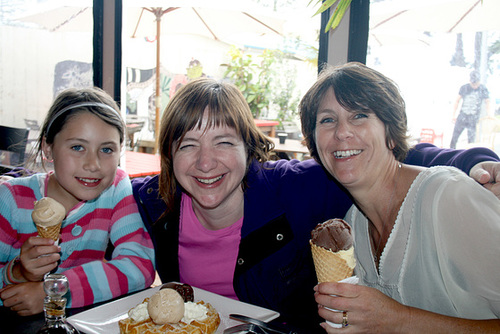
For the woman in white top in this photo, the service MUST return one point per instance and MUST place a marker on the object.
(427, 241)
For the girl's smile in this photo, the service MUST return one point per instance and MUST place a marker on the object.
(86, 154)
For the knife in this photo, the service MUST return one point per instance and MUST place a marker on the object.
(257, 322)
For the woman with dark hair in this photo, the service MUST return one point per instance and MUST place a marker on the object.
(425, 239)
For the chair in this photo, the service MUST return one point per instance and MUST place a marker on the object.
(429, 136)
(13, 143)
(32, 124)
(292, 130)
(487, 129)
(34, 127)
(134, 125)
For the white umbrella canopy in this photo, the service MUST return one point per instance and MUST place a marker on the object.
(62, 19)
(218, 24)
(177, 17)
(220, 20)
(450, 16)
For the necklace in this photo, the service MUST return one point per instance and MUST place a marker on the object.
(375, 255)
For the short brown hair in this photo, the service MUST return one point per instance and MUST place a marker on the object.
(358, 87)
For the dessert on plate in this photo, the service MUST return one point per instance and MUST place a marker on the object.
(171, 310)
(333, 250)
(48, 215)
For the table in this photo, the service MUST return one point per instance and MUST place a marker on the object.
(291, 146)
(13, 323)
(139, 164)
(268, 127)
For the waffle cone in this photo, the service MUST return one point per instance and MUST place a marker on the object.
(206, 326)
(330, 266)
(51, 232)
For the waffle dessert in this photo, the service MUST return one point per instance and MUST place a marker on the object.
(48, 215)
(333, 250)
(161, 313)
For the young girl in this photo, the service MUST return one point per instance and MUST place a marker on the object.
(82, 135)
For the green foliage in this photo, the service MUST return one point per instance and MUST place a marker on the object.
(267, 81)
(285, 94)
(337, 15)
(253, 76)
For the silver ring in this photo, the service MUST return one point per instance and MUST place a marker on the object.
(344, 319)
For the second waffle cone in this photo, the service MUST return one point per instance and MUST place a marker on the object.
(330, 266)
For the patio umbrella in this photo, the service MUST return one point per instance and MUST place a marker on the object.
(450, 16)
(217, 23)
(215, 20)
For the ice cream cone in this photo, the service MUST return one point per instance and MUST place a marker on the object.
(48, 215)
(331, 266)
(51, 232)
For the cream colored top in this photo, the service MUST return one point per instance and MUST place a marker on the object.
(443, 254)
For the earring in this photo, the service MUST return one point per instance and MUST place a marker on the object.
(47, 158)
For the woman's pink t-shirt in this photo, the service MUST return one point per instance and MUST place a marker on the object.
(207, 258)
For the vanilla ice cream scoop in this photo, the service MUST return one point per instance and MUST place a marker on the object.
(166, 306)
(48, 215)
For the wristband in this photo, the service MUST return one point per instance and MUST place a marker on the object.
(8, 272)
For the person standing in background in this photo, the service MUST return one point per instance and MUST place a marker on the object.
(472, 95)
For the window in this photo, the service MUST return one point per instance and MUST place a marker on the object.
(46, 47)
(411, 42)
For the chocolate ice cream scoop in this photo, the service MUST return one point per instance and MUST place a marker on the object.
(185, 290)
(333, 234)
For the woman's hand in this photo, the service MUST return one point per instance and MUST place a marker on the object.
(38, 257)
(24, 298)
(487, 173)
(368, 310)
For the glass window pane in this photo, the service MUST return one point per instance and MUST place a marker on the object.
(197, 41)
(46, 47)
(429, 48)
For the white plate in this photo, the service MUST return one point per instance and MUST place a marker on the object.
(104, 318)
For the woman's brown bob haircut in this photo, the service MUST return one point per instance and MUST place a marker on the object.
(225, 105)
(358, 88)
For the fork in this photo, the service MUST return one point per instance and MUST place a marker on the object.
(245, 328)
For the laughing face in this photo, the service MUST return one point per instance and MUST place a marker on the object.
(210, 164)
(86, 153)
(350, 144)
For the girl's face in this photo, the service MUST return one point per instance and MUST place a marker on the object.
(350, 144)
(86, 153)
(210, 165)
